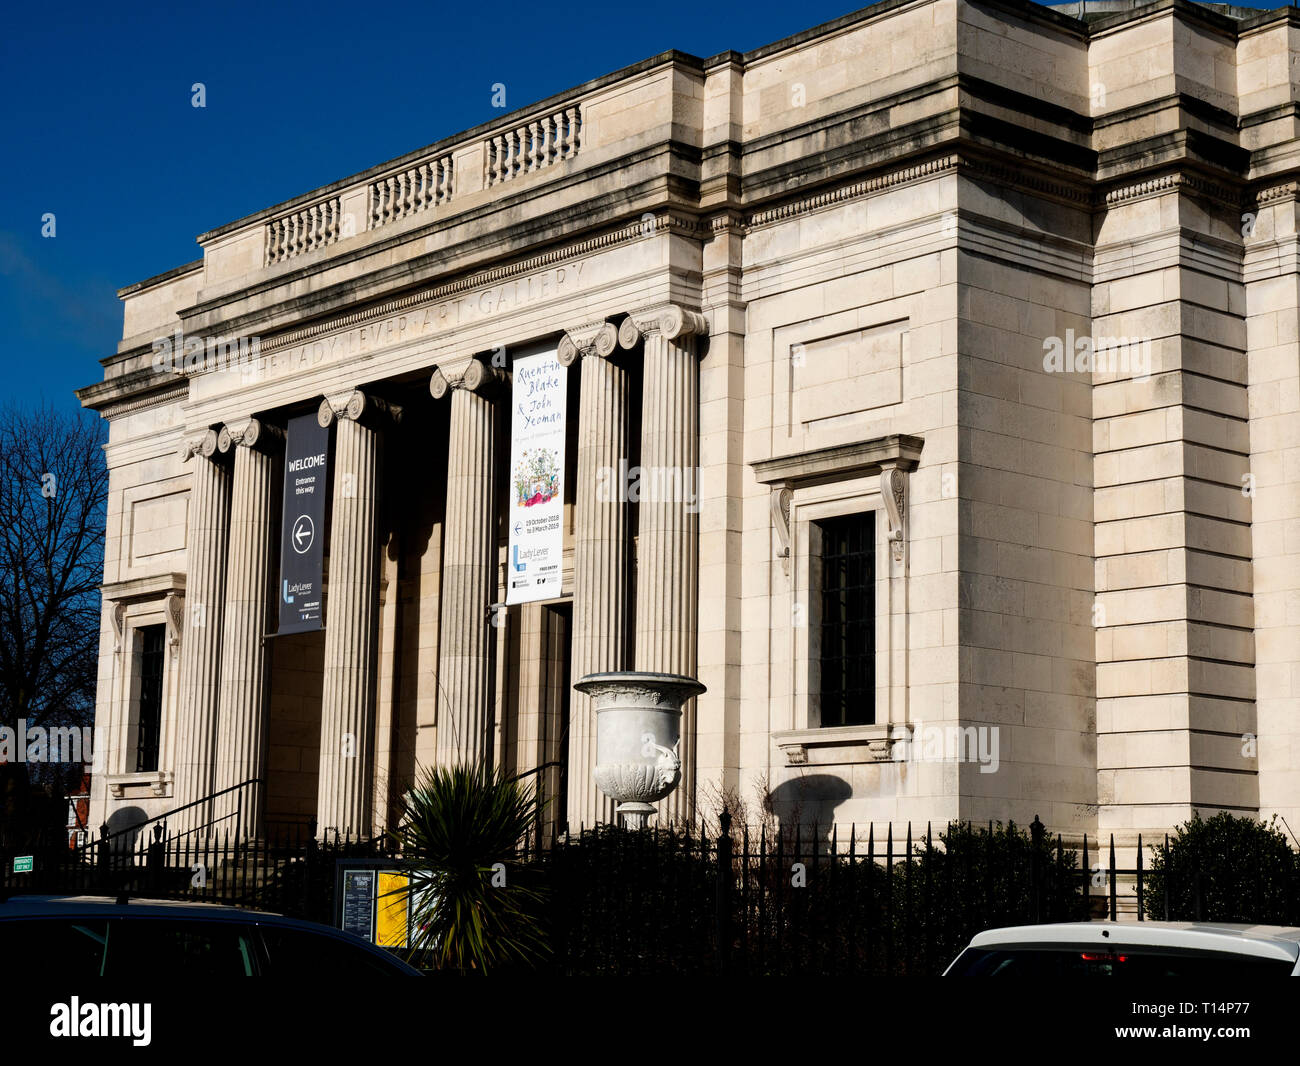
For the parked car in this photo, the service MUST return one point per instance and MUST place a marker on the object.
(87, 936)
(1132, 949)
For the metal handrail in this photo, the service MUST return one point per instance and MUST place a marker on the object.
(106, 836)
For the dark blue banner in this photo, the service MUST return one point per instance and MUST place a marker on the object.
(306, 485)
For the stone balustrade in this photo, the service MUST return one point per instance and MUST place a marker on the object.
(408, 191)
(540, 142)
(304, 230)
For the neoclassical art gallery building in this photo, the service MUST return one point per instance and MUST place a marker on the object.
(926, 385)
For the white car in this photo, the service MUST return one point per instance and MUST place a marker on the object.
(1132, 949)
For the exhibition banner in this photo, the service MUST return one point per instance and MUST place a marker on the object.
(536, 514)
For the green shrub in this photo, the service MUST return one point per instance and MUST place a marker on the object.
(1245, 871)
(474, 906)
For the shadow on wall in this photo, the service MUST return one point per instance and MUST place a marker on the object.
(127, 821)
(809, 802)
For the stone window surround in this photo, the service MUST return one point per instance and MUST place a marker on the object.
(133, 605)
(812, 486)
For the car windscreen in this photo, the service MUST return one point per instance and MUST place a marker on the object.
(1113, 960)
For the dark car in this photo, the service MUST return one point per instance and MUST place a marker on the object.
(94, 936)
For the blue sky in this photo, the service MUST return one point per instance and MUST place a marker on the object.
(97, 126)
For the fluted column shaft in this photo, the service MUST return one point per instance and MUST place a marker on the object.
(200, 658)
(667, 587)
(345, 788)
(600, 595)
(242, 718)
(468, 571)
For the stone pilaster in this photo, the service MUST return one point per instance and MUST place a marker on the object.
(600, 594)
(345, 786)
(469, 566)
(242, 715)
(200, 658)
(667, 587)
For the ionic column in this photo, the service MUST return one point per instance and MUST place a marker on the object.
(200, 662)
(667, 592)
(242, 715)
(344, 793)
(600, 600)
(468, 566)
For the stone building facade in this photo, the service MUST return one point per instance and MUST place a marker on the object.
(963, 340)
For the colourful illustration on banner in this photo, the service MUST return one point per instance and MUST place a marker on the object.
(537, 477)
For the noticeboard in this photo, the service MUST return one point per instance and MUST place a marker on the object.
(373, 902)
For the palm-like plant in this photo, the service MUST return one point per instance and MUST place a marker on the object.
(473, 905)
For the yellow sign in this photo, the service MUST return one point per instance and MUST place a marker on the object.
(390, 929)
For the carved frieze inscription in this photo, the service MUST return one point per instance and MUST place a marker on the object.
(426, 320)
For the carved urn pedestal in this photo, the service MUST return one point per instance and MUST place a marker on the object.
(638, 734)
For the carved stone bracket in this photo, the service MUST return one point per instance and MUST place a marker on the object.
(477, 376)
(118, 618)
(249, 433)
(669, 320)
(356, 406)
(781, 497)
(598, 338)
(893, 490)
(174, 610)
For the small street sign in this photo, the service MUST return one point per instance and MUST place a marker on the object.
(22, 864)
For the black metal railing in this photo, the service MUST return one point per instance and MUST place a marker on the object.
(736, 899)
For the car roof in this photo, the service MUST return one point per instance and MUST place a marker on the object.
(1266, 941)
(54, 906)
(108, 906)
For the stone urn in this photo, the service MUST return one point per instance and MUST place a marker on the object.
(638, 737)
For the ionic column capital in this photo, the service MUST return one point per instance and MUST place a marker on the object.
(598, 338)
(477, 376)
(249, 433)
(670, 321)
(204, 444)
(356, 406)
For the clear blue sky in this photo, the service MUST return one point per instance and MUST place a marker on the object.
(96, 125)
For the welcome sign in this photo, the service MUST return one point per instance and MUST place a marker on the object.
(536, 513)
(302, 534)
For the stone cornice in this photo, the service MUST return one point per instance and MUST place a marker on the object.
(840, 461)
(138, 589)
(1164, 183)
(1285, 190)
(129, 406)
